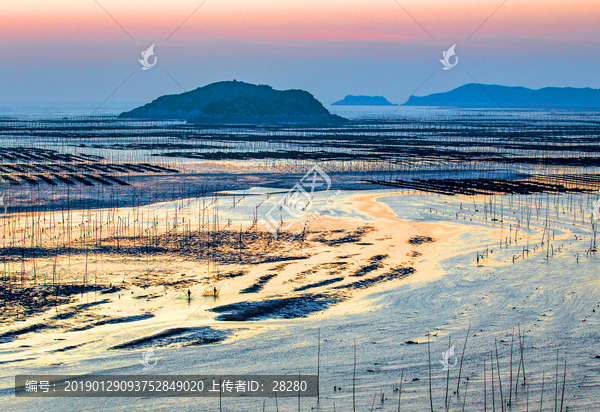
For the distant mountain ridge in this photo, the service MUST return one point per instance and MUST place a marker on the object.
(363, 101)
(237, 102)
(474, 95)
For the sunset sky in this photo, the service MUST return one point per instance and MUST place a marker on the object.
(73, 50)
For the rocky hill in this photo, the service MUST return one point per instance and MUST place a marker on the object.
(364, 101)
(237, 102)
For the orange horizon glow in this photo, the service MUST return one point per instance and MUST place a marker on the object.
(272, 21)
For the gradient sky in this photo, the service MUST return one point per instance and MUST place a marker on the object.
(83, 50)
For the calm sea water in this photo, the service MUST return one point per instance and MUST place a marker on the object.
(44, 110)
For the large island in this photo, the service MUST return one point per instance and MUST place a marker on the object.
(234, 102)
(502, 97)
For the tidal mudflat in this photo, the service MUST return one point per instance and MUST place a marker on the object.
(396, 284)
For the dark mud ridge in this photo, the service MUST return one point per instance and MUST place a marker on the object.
(24, 301)
(259, 285)
(374, 265)
(78, 308)
(16, 360)
(68, 348)
(274, 259)
(319, 284)
(394, 273)
(112, 321)
(353, 237)
(10, 336)
(304, 305)
(235, 274)
(178, 337)
(419, 240)
(286, 308)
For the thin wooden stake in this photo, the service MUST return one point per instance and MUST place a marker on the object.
(499, 377)
(542, 394)
(511, 367)
(484, 387)
(318, 365)
(492, 370)
(430, 391)
(400, 390)
(461, 362)
(562, 398)
(354, 380)
(556, 385)
(447, 377)
(465, 399)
